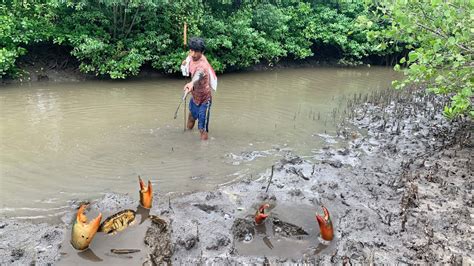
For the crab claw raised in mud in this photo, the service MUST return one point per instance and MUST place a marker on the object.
(260, 215)
(146, 194)
(82, 232)
(325, 225)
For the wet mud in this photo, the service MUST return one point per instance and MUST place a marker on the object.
(397, 180)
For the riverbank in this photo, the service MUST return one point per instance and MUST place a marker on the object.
(66, 69)
(400, 191)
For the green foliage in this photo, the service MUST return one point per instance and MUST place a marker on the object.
(236, 43)
(22, 23)
(338, 27)
(440, 35)
(301, 27)
(115, 38)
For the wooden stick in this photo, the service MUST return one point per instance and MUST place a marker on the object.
(185, 96)
(185, 31)
(124, 250)
(179, 105)
(271, 177)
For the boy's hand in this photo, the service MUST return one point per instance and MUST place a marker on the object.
(188, 87)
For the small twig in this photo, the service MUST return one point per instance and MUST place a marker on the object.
(124, 251)
(333, 256)
(197, 232)
(269, 182)
(298, 173)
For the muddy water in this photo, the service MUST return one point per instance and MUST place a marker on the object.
(268, 242)
(60, 142)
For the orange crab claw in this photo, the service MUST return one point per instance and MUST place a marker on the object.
(260, 215)
(325, 225)
(82, 232)
(146, 194)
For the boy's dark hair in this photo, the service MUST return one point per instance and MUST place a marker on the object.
(196, 44)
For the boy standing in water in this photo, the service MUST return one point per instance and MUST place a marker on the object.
(203, 78)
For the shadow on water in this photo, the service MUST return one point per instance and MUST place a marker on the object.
(89, 255)
(143, 212)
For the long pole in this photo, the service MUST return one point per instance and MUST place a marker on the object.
(185, 31)
(184, 128)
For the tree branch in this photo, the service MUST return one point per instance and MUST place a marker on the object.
(115, 21)
(124, 16)
(436, 32)
(133, 22)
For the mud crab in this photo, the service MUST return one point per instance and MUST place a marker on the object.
(118, 222)
(260, 215)
(146, 194)
(82, 232)
(325, 225)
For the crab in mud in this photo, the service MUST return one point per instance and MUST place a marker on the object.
(325, 225)
(82, 232)
(260, 215)
(146, 194)
(117, 222)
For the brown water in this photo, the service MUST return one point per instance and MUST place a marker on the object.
(60, 142)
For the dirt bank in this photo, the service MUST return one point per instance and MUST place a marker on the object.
(399, 191)
(48, 65)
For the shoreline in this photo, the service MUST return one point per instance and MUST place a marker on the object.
(401, 193)
(40, 72)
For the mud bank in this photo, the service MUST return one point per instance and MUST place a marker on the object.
(399, 191)
(66, 69)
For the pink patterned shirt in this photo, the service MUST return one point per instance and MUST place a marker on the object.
(202, 89)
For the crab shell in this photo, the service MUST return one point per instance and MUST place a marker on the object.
(146, 194)
(260, 215)
(82, 232)
(118, 222)
(325, 225)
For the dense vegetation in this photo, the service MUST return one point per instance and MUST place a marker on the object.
(440, 35)
(116, 38)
